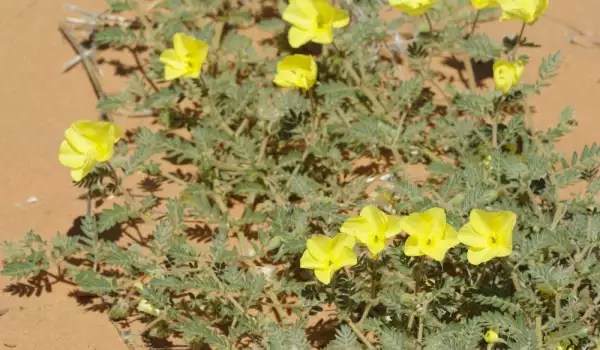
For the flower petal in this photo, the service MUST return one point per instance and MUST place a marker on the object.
(341, 241)
(416, 224)
(77, 174)
(436, 250)
(502, 222)
(170, 58)
(394, 226)
(324, 275)
(340, 18)
(309, 262)
(346, 257)
(375, 245)
(450, 236)
(358, 227)
(376, 218)
(411, 247)
(437, 219)
(301, 14)
(468, 236)
(319, 247)
(298, 37)
(324, 37)
(69, 157)
(478, 256)
(77, 141)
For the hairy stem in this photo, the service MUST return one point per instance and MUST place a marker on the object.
(429, 23)
(359, 334)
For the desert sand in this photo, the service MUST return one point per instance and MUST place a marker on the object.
(39, 101)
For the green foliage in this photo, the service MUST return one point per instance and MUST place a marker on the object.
(260, 169)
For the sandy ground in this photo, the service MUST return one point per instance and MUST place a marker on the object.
(38, 102)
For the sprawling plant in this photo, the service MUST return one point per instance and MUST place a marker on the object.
(312, 132)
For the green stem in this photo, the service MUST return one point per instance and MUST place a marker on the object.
(519, 39)
(421, 326)
(474, 24)
(214, 110)
(359, 334)
(538, 332)
(429, 23)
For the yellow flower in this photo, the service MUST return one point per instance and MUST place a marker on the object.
(507, 74)
(326, 255)
(146, 307)
(186, 57)
(527, 11)
(296, 70)
(491, 336)
(564, 345)
(313, 20)
(429, 234)
(372, 228)
(414, 7)
(86, 144)
(481, 4)
(488, 235)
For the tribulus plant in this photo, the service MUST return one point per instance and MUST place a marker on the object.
(269, 140)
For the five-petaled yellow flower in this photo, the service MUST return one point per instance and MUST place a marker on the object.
(491, 336)
(296, 71)
(482, 4)
(488, 235)
(326, 255)
(429, 234)
(527, 11)
(186, 57)
(507, 74)
(414, 7)
(313, 20)
(372, 228)
(86, 144)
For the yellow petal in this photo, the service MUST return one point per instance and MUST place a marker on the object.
(435, 250)
(285, 78)
(173, 73)
(437, 219)
(319, 247)
(324, 275)
(487, 223)
(185, 45)
(411, 247)
(324, 36)
(78, 142)
(451, 236)
(346, 257)
(102, 135)
(394, 226)
(376, 218)
(309, 262)
(340, 18)
(468, 236)
(375, 245)
(416, 224)
(77, 174)
(298, 37)
(358, 227)
(170, 58)
(301, 14)
(340, 242)
(478, 256)
(69, 157)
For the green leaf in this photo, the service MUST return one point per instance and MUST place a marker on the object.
(91, 282)
(345, 339)
(271, 25)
